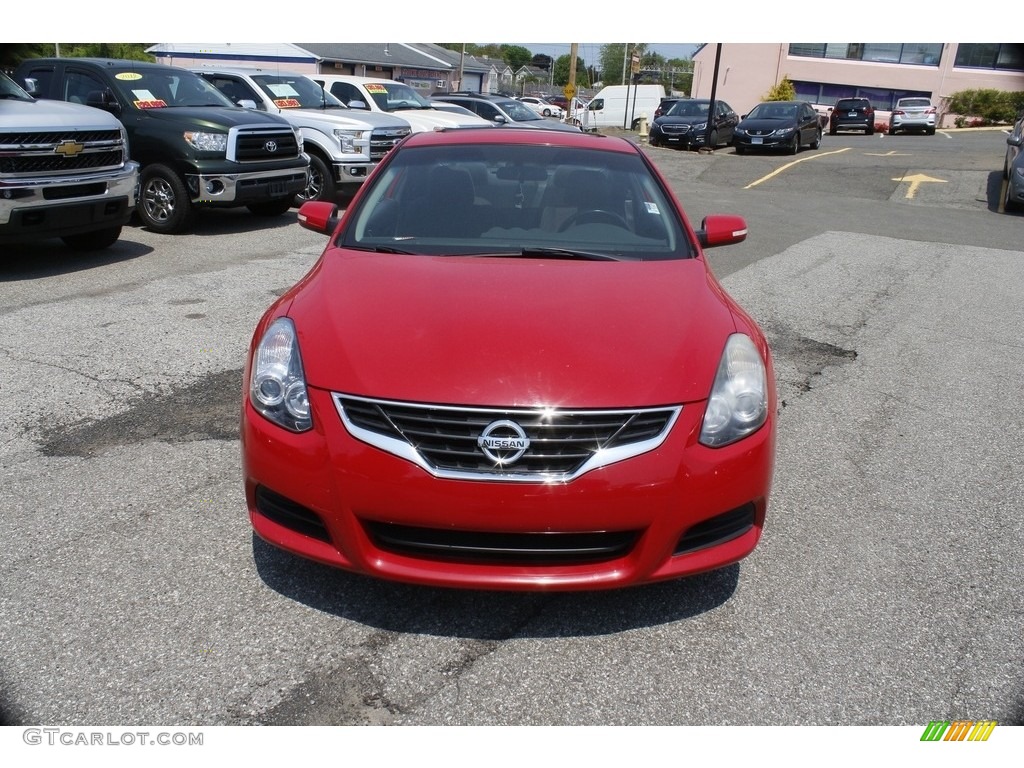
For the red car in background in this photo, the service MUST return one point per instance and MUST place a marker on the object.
(511, 368)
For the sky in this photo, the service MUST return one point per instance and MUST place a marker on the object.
(591, 52)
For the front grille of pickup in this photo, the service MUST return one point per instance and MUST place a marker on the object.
(63, 152)
(530, 445)
(384, 140)
(533, 549)
(255, 144)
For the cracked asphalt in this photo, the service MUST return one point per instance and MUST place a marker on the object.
(885, 591)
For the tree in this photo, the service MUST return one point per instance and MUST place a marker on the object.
(612, 57)
(784, 90)
(561, 74)
(516, 56)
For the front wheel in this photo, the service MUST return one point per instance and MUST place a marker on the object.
(794, 147)
(817, 140)
(164, 204)
(271, 207)
(93, 241)
(319, 183)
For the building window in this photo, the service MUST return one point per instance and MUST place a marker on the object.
(827, 94)
(990, 56)
(927, 54)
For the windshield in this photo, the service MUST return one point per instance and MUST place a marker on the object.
(773, 111)
(10, 90)
(518, 111)
(296, 92)
(500, 199)
(393, 96)
(915, 103)
(147, 88)
(689, 109)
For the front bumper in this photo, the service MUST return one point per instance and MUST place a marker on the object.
(43, 207)
(233, 189)
(748, 142)
(677, 510)
(348, 174)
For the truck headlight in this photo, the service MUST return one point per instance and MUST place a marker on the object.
(207, 142)
(348, 140)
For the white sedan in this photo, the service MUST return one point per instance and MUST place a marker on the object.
(542, 107)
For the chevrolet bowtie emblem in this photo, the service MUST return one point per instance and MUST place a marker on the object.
(69, 148)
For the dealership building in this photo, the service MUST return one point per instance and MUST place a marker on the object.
(881, 72)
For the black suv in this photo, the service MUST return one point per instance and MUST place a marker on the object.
(196, 148)
(852, 115)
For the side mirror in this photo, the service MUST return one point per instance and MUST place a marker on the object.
(319, 216)
(1015, 141)
(247, 104)
(32, 86)
(103, 100)
(358, 104)
(722, 229)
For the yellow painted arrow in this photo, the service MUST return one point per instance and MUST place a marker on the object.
(916, 181)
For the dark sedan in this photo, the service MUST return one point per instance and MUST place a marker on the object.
(778, 125)
(685, 124)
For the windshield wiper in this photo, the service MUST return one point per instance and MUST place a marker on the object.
(566, 253)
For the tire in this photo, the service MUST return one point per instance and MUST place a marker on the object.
(817, 140)
(740, 149)
(547, 113)
(1009, 204)
(930, 131)
(164, 204)
(832, 131)
(93, 241)
(271, 207)
(320, 183)
(794, 148)
(892, 130)
(713, 143)
(869, 131)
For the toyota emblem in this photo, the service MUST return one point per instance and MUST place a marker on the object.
(270, 146)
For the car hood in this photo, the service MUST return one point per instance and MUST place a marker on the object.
(431, 119)
(515, 332)
(213, 117)
(766, 124)
(679, 120)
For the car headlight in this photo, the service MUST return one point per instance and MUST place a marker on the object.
(207, 142)
(738, 404)
(740, 131)
(784, 131)
(277, 387)
(348, 140)
(701, 127)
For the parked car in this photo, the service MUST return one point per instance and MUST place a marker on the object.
(543, 106)
(64, 172)
(372, 94)
(344, 145)
(913, 113)
(685, 125)
(444, 106)
(852, 115)
(559, 101)
(778, 125)
(1013, 167)
(196, 149)
(504, 111)
(517, 425)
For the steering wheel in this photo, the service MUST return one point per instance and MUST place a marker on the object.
(593, 216)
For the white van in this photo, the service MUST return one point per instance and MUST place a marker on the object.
(620, 106)
(377, 95)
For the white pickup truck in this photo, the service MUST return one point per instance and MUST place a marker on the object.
(372, 95)
(343, 144)
(64, 172)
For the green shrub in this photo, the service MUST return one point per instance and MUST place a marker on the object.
(988, 104)
(781, 91)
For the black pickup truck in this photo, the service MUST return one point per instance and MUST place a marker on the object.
(196, 149)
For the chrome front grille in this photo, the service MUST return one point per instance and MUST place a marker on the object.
(54, 152)
(513, 444)
(383, 140)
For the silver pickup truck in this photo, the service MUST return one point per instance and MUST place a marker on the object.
(64, 172)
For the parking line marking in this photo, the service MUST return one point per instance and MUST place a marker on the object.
(777, 171)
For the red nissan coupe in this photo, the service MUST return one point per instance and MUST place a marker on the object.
(512, 368)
